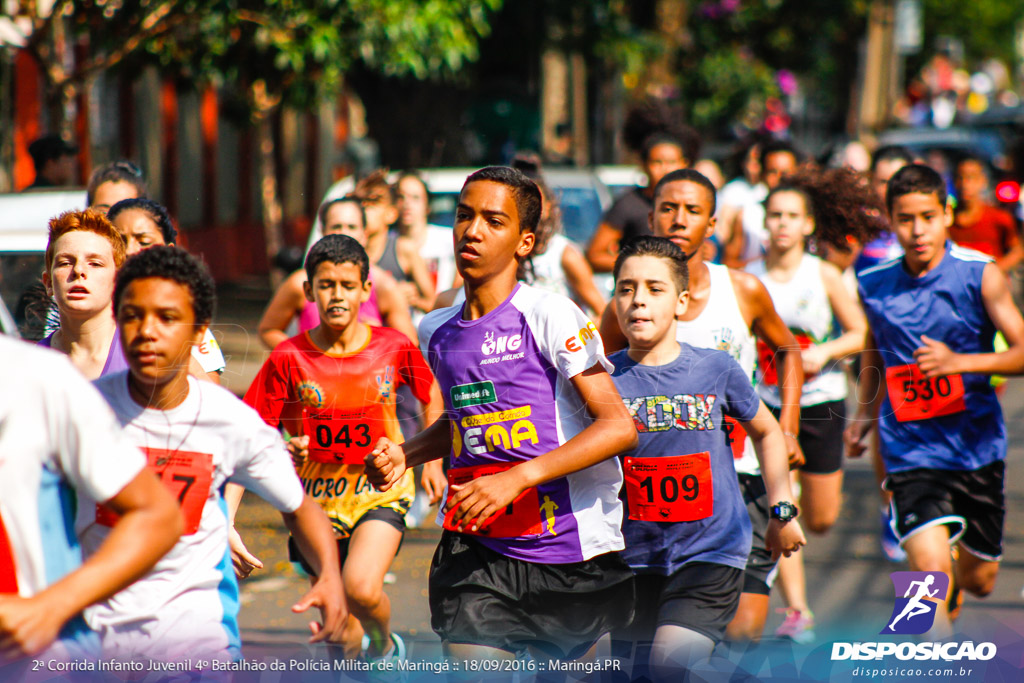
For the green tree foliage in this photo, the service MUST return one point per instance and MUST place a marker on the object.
(298, 50)
(987, 27)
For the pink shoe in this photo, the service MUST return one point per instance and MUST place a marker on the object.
(798, 626)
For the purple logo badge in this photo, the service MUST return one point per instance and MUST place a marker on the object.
(913, 612)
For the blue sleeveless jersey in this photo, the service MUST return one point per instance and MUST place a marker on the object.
(944, 304)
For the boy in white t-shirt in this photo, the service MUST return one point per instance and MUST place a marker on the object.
(58, 439)
(196, 436)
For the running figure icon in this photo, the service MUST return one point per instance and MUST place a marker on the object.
(915, 606)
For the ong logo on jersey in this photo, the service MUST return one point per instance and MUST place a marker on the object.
(661, 413)
(501, 348)
(914, 612)
(505, 429)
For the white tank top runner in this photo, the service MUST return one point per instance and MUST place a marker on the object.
(803, 305)
(721, 326)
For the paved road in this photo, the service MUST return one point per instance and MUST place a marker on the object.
(848, 578)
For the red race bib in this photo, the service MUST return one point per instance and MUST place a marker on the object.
(521, 517)
(343, 436)
(186, 474)
(735, 435)
(675, 488)
(915, 397)
(766, 359)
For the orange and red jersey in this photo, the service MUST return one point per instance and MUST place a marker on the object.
(344, 403)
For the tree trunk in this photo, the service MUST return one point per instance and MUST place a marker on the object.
(273, 224)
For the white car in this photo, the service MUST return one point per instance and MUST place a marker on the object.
(24, 228)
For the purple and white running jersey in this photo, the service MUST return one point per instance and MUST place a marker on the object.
(505, 380)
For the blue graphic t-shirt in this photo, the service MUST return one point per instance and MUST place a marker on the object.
(678, 410)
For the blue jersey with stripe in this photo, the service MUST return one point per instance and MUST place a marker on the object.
(946, 305)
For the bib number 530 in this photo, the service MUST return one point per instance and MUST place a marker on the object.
(916, 397)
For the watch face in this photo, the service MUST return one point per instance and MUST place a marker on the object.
(783, 511)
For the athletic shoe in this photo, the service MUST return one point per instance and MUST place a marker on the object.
(396, 654)
(890, 544)
(798, 626)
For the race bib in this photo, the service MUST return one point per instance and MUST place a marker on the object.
(521, 517)
(915, 397)
(766, 359)
(186, 474)
(735, 436)
(344, 437)
(675, 488)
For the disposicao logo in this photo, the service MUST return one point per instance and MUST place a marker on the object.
(914, 612)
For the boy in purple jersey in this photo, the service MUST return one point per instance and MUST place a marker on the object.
(933, 315)
(687, 530)
(532, 419)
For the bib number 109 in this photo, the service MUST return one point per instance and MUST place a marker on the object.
(674, 488)
(669, 488)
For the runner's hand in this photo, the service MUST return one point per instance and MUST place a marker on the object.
(855, 436)
(27, 626)
(298, 447)
(783, 538)
(433, 480)
(241, 558)
(385, 464)
(813, 360)
(475, 502)
(796, 454)
(935, 358)
(328, 595)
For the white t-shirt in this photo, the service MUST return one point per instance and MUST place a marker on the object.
(803, 304)
(208, 439)
(57, 438)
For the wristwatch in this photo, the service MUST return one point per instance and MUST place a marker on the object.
(784, 511)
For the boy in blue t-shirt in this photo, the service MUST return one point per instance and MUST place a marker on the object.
(933, 314)
(686, 528)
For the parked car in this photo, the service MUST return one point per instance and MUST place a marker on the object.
(23, 235)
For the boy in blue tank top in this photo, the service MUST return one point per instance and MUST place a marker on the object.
(687, 529)
(933, 314)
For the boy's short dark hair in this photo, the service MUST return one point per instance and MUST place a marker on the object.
(117, 172)
(524, 191)
(174, 264)
(156, 211)
(913, 179)
(691, 176)
(648, 245)
(891, 153)
(778, 147)
(337, 249)
(347, 199)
